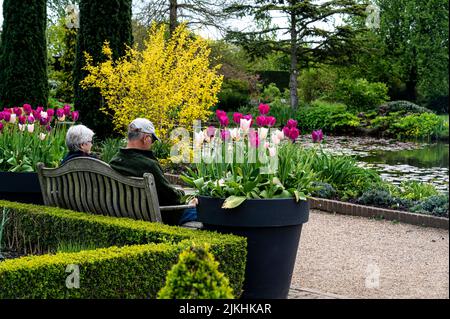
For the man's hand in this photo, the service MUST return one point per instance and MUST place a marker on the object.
(193, 201)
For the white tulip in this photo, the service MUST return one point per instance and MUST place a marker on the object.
(13, 118)
(275, 139)
(245, 125)
(21, 127)
(272, 151)
(30, 128)
(42, 136)
(262, 132)
(44, 115)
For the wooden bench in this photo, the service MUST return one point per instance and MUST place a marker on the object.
(89, 185)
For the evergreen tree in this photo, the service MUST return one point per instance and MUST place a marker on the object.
(100, 21)
(23, 53)
(305, 41)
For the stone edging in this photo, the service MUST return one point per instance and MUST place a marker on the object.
(333, 206)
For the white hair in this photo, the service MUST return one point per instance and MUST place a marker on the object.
(77, 135)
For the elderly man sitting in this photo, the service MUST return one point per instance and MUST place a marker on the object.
(137, 159)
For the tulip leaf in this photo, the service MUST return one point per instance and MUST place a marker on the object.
(199, 182)
(233, 201)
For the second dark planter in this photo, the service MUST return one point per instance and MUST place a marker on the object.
(20, 187)
(272, 228)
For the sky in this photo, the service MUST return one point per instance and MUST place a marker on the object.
(242, 24)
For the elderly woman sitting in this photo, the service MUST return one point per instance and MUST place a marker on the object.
(79, 142)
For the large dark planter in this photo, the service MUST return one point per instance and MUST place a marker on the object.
(272, 228)
(20, 187)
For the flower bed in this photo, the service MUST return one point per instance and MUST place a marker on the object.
(131, 259)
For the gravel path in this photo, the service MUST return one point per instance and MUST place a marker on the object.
(337, 253)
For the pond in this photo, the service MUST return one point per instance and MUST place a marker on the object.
(396, 161)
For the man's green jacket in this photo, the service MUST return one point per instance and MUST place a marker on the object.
(136, 162)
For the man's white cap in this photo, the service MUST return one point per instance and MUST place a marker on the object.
(144, 126)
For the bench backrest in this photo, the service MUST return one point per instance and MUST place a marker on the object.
(90, 185)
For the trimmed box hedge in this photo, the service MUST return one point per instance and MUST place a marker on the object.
(133, 262)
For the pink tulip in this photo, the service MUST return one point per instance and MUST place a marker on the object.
(211, 131)
(66, 109)
(263, 108)
(223, 120)
(291, 123)
(75, 116)
(253, 138)
(48, 128)
(1, 126)
(27, 109)
(60, 113)
(39, 109)
(270, 121)
(237, 118)
(2, 116)
(261, 120)
(294, 133)
(225, 135)
(220, 113)
(286, 131)
(5, 110)
(317, 136)
(30, 119)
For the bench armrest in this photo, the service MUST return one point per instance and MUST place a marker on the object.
(176, 207)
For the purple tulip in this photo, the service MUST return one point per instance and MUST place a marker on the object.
(22, 119)
(30, 119)
(50, 112)
(17, 111)
(66, 109)
(43, 121)
(27, 109)
(1, 126)
(39, 109)
(317, 136)
(6, 116)
(48, 128)
(60, 113)
(75, 115)
(2, 116)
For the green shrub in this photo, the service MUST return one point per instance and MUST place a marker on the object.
(376, 197)
(316, 83)
(196, 276)
(270, 93)
(134, 265)
(435, 205)
(281, 111)
(360, 94)
(234, 93)
(402, 106)
(344, 122)
(319, 115)
(418, 125)
(417, 191)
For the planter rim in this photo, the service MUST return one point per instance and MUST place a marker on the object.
(279, 212)
(256, 199)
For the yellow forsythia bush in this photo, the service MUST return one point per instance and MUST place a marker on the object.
(171, 82)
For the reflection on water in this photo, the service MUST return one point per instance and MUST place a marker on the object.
(429, 164)
(433, 155)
